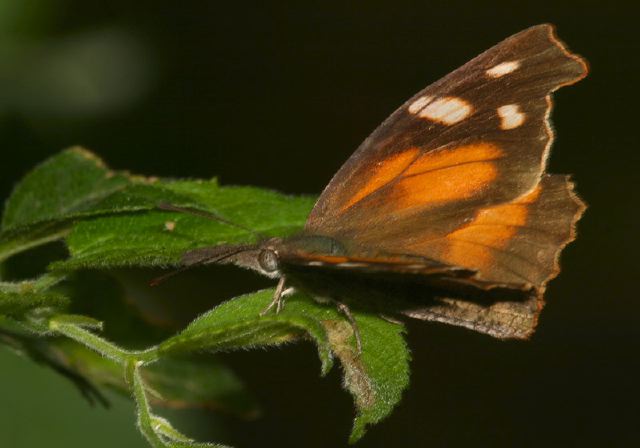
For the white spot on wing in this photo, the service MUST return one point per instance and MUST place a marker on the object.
(446, 110)
(510, 116)
(419, 104)
(503, 69)
(315, 263)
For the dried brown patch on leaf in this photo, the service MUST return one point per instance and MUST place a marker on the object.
(356, 380)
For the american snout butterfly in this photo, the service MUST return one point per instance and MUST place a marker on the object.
(449, 195)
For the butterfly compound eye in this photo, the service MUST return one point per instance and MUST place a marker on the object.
(268, 260)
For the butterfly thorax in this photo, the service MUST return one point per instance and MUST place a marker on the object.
(274, 250)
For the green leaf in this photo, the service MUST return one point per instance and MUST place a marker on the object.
(76, 184)
(376, 377)
(16, 304)
(161, 238)
(63, 185)
(379, 375)
(77, 320)
(238, 323)
(17, 298)
(73, 184)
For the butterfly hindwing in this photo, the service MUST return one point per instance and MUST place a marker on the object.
(520, 241)
(501, 319)
(515, 242)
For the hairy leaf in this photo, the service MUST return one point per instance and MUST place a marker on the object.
(238, 323)
(376, 377)
(63, 185)
(159, 238)
(16, 298)
(72, 185)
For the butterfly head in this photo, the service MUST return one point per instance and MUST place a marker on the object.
(269, 255)
(267, 260)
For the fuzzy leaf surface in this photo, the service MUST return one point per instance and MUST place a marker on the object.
(160, 238)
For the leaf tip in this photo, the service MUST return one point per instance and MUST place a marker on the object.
(358, 431)
(327, 363)
(86, 154)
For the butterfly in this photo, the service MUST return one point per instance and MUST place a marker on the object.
(447, 202)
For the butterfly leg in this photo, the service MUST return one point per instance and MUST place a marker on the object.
(344, 309)
(278, 300)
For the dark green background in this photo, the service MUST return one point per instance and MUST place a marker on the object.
(278, 95)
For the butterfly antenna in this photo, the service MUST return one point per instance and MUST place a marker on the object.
(207, 215)
(199, 262)
(156, 281)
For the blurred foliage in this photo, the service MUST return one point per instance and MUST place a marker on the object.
(74, 76)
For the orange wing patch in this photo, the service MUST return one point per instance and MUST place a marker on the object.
(384, 173)
(448, 158)
(460, 182)
(447, 175)
(491, 229)
(435, 177)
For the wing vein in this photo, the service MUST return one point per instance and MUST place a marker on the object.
(504, 251)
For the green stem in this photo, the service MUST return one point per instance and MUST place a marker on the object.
(71, 326)
(92, 341)
(163, 427)
(152, 426)
(145, 420)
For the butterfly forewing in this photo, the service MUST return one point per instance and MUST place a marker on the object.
(469, 149)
